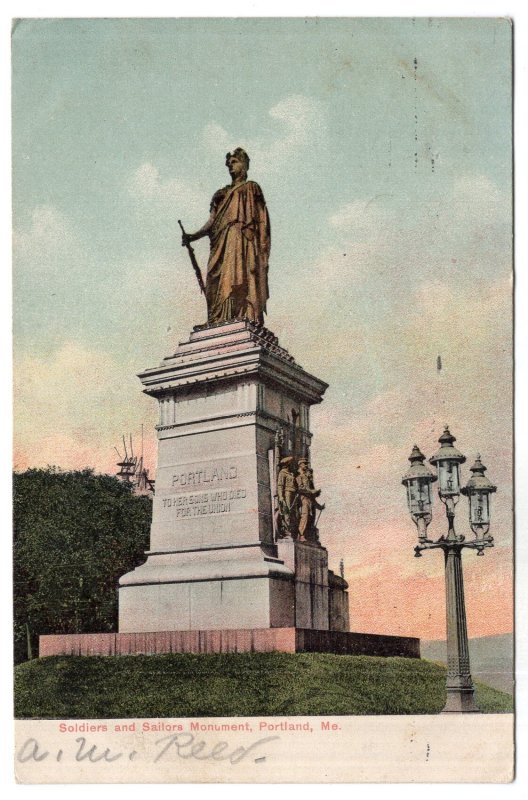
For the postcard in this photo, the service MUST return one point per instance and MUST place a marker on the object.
(263, 400)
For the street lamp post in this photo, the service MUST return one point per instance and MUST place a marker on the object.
(418, 480)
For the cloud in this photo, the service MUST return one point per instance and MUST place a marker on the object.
(72, 407)
(412, 603)
(45, 242)
(171, 195)
(214, 137)
(444, 227)
(475, 353)
(299, 123)
(164, 282)
(476, 199)
(301, 119)
(72, 373)
(398, 284)
(362, 218)
(386, 394)
(52, 277)
(383, 334)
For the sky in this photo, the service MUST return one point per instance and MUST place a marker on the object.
(383, 147)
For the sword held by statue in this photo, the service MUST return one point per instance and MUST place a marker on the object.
(193, 261)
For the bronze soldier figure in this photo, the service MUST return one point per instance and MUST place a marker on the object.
(308, 494)
(287, 495)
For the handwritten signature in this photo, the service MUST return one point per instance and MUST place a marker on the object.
(185, 745)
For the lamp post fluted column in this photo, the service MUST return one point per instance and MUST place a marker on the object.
(418, 480)
(460, 689)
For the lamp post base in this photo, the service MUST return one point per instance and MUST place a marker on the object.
(460, 700)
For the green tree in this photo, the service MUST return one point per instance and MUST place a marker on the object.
(75, 534)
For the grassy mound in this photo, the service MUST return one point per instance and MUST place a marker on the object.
(256, 684)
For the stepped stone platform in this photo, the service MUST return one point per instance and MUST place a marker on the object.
(264, 640)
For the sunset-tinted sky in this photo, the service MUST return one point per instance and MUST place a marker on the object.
(383, 148)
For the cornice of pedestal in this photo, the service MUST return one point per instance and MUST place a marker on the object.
(231, 351)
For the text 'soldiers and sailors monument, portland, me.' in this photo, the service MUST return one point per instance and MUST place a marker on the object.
(236, 560)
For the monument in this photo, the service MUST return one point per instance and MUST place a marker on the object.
(231, 547)
(235, 561)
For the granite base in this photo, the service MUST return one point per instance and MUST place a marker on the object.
(284, 640)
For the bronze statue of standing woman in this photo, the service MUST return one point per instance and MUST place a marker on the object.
(236, 286)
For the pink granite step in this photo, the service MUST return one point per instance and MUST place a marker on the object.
(257, 640)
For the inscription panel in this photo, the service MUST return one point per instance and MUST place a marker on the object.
(206, 503)
(217, 501)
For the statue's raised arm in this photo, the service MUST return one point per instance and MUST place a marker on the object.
(236, 286)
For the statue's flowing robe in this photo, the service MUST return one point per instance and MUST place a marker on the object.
(237, 272)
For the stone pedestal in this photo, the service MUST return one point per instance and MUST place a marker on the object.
(213, 563)
(309, 564)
